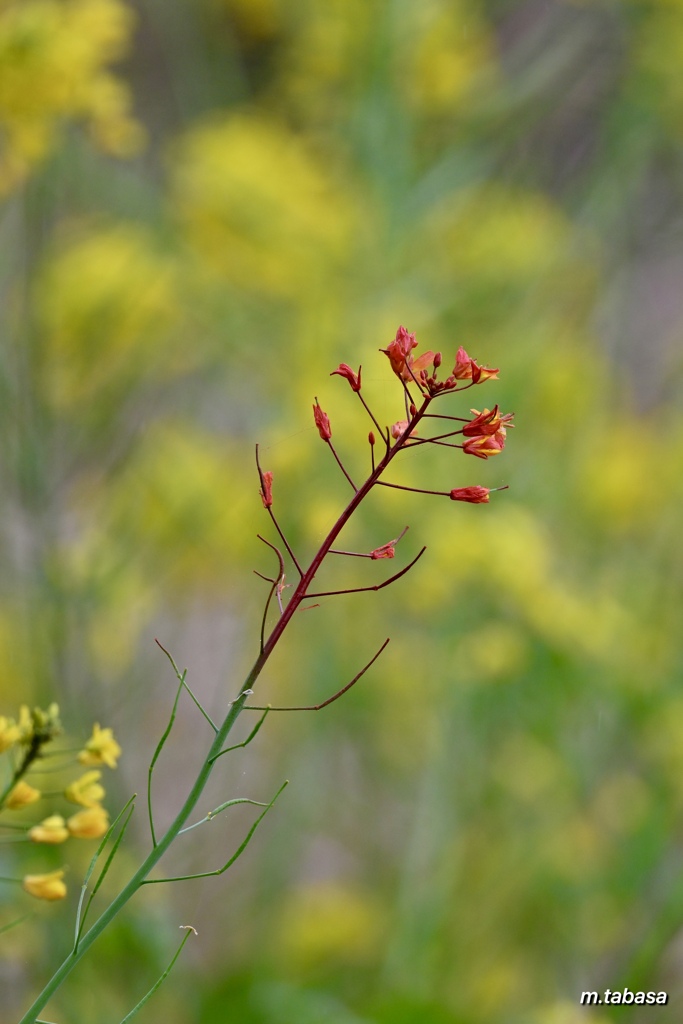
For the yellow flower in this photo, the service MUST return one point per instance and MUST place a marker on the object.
(38, 724)
(54, 66)
(89, 824)
(46, 887)
(101, 748)
(51, 830)
(21, 796)
(9, 733)
(85, 790)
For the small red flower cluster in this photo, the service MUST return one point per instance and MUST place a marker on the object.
(408, 368)
(483, 436)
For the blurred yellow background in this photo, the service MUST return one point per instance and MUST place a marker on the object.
(206, 206)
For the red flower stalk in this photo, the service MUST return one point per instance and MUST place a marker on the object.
(475, 495)
(344, 370)
(322, 422)
(488, 439)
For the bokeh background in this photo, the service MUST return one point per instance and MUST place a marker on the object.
(206, 206)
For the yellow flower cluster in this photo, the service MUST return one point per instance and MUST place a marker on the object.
(32, 731)
(38, 725)
(91, 823)
(53, 60)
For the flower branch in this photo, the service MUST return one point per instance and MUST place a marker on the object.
(376, 586)
(330, 700)
(485, 436)
(267, 499)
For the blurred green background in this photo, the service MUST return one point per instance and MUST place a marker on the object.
(206, 206)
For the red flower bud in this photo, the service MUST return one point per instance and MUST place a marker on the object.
(344, 370)
(266, 491)
(437, 360)
(475, 495)
(384, 551)
(371, 438)
(322, 422)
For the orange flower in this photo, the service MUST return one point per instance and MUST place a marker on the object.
(484, 446)
(45, 887)
(486, 422)
(467, 369)
(482, 373)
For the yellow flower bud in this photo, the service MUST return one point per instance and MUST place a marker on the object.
(25, 724)
(45, 887)
(21, 796)
(89, 824)
(9, 733)
(47, 722)
(101, 748)
(51, 830)
(85, 790)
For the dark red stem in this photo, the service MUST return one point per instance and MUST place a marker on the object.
(300, 591)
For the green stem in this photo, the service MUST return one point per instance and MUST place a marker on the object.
(32, 752)
(141, 874)
(157, 852)
(145, 999)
